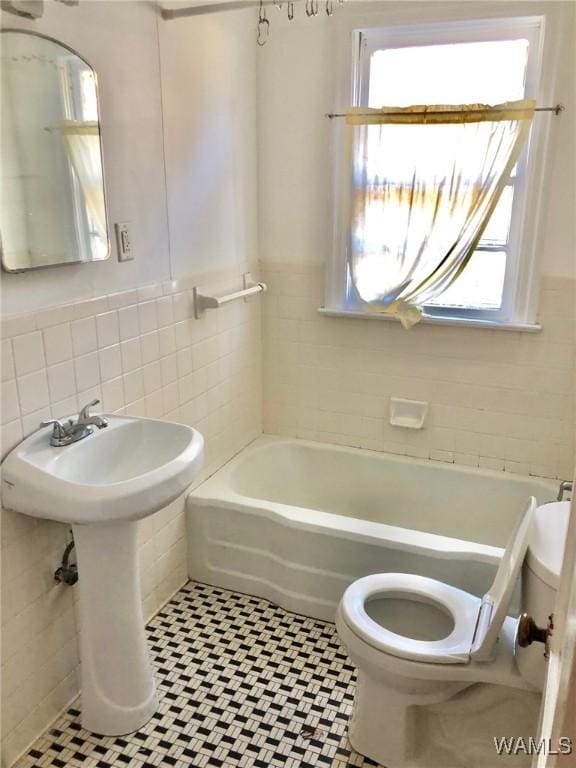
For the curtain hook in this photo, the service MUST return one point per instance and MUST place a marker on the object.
(329, 7)
(263, 26)
(263, 31)
(290, 10)
(309, 8)
(314, 4)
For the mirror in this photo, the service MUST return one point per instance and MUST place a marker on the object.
(52, 208)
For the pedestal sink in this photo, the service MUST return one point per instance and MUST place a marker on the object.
(102, 485)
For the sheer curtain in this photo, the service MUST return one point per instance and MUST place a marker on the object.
(82, 144)
(425, 182)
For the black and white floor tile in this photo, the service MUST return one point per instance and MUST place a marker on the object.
(242, 684)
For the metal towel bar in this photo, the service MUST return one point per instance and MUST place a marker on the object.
(202, 302)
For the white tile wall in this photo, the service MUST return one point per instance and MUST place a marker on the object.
(141, 353)
(501, 400)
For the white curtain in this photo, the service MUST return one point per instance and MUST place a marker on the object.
(82, 144)
(426, 180)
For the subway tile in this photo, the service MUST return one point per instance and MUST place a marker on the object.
(167, 341)
(61, 381)
(90, 307)
(133, 385)
(484, 393)
(136, 408)
(149, 292)
(181, 306)
(7, 360)
(113, 395)
(150, 347)
(66, 407)
(107, 329)
(152, 377)
(169, 369)
(165, 311)
(87, 371)
(18, 324)
(58, 343)
(131, 354)
(122, 299)
(184, 361)
(154, 404)
(10, 403)
(32, 420)
(170, 397)
(128, 322)
(147, 316)
(33, 391)
(11, 435)
(28, 353)
(110, 362)
(84, 338)
(46, 318)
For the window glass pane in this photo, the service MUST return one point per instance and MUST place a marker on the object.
(496, 232)
(461, 73)
(479, 286)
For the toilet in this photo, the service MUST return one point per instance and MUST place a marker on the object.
(417, 641)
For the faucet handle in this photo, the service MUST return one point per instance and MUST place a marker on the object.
(565, 486)
(85, 411)
(59, 430)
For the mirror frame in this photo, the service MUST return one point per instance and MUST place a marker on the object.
(3, 266)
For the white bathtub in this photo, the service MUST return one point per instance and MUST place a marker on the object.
(296, 522)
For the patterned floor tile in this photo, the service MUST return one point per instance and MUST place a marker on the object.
(242, 684)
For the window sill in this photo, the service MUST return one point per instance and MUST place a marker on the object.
(429, 320)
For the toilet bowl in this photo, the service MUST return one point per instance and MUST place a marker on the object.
(417, 641)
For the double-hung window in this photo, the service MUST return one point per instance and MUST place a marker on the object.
(478, 62)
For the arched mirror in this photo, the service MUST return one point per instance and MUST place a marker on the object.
(52, 208)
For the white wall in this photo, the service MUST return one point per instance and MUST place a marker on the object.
(304, 72)
(137, 348)
(120, 40)
(497, 399)
(209, 103)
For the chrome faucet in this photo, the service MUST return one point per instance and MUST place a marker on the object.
(86, 419)
(566, 486)
(67, 432)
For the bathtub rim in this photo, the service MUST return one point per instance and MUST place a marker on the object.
(216, 490)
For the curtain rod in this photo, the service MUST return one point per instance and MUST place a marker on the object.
(201, 9)
(331, 115)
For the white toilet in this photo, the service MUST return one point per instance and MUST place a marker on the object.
(417, 641)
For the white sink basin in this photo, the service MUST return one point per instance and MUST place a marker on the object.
(102, 485)
(126, 471)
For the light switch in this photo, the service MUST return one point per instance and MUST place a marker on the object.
(123, 241)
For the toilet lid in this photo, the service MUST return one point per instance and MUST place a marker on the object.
(496, 601)
(459, 605)
(477, 623)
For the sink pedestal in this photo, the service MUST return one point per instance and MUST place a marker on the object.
(118, 689)
(101, 485)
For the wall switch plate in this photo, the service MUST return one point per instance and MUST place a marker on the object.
(124, 241)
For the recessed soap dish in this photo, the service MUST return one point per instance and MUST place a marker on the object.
(407, 413)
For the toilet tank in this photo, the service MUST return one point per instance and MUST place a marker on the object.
(540, 578)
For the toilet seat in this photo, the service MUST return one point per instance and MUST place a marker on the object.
(477, 623)
(462, 607)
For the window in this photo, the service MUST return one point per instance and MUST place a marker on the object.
(460, 63)
(80, 104)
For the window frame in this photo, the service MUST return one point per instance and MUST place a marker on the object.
(519, 292)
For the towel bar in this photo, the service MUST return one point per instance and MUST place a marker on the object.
(202, 302)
